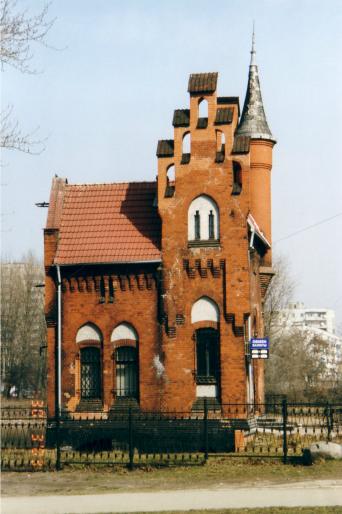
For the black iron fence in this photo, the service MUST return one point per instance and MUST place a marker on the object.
(131, 437)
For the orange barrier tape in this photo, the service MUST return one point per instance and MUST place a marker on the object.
(37, 463)
(37, 404)
(38, 413)
(37, 438)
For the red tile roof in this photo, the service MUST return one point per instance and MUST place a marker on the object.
(105, 223)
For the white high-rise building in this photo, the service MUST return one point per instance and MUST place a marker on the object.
(297, 315)
(314, 323)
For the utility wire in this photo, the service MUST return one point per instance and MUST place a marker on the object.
(308, 227)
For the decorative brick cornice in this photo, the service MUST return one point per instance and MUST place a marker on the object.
(202, 267)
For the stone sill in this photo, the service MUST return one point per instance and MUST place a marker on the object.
(204, 243)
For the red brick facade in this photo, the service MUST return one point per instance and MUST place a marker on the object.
(156, 295)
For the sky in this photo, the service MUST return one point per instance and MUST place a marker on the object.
(105, 91)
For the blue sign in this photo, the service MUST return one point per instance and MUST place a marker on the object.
(260, 344)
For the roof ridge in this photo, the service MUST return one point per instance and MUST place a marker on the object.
(112, 183)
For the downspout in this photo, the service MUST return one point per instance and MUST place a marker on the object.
(250, 365)
(251, 244)
(59, 340)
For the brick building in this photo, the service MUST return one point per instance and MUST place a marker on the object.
(153, 289)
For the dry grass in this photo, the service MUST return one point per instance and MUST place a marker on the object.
(218, 471)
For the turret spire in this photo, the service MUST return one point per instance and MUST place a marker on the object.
(253, 60)
(253, 121)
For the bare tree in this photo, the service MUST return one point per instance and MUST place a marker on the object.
(19, 32)
(279, 294)
(296, 367)
(23, 330)
(12, 137)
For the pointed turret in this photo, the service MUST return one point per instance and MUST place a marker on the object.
(253, 121)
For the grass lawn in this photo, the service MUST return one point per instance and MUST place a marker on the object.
(218, 472)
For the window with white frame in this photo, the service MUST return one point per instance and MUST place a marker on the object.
(203, 219)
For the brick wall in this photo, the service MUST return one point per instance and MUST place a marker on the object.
(158, 302)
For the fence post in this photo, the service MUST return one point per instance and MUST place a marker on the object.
(205, 421)
(130, 438)
(58, 443)
(284, 413)
(329, 415)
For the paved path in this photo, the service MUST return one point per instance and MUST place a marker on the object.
(308, 494)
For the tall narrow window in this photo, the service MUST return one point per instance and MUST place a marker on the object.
(102, 291)
(211, 225)
(197, 225)
(202, 121)
(237, 179)
(220, 146)
(186, 148)
(90, 373)
(207, 355)
(111, 290)
(126, 372)
(170, 181)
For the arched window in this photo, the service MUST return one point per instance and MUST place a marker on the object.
(126, 372)
(202, 121)
(88, 332)
(205, 309)
(203, 220)
(124, 331)
(170, 181)
(220, 146)
(237, 178)
(186, 148)
(90, 373)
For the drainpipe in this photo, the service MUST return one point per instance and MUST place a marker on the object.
(251, 244)
(250, 365)
(59, 341)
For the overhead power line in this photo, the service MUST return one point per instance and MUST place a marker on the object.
(308, 227)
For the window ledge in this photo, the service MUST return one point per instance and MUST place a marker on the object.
(204, 243)
(202, 380)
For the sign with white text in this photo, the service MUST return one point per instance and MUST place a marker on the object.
(259, 348)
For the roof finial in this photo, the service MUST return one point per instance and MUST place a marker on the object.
(253, 61)
(253, 120)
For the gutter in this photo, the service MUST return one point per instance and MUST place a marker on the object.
(156, 261)
(59, 340)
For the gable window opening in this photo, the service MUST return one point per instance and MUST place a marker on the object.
(220, 146)
(126, 372)
(202, 120)
(90, 373)
(197, 226)
(170, 181)
(186, 148)
(237, 178)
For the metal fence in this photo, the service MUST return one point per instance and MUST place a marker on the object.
(130, 437)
